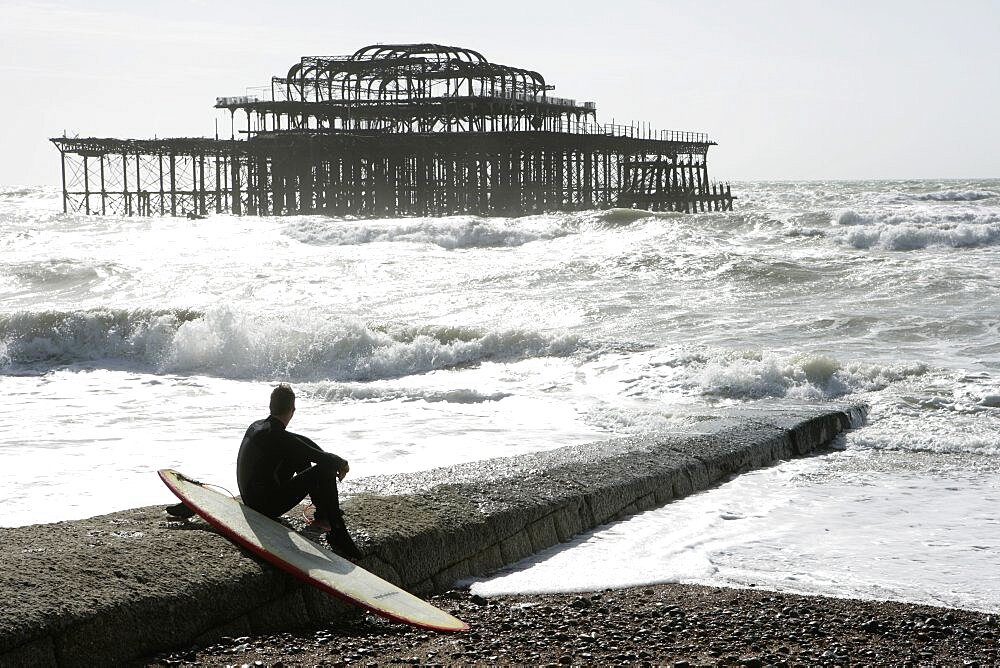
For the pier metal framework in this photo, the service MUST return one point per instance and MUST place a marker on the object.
(397, 130)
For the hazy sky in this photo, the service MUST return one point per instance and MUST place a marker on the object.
(790, 89)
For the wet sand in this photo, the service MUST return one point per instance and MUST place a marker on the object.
(673, 625)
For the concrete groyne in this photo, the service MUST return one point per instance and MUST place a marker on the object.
(118, 587)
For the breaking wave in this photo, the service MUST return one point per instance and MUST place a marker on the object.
(917, 230)
(962, 215)
(956, 196)
(47, 337)
(451, 233)
(754, 375)
(916, 237)
(233, 345)
(456, 232)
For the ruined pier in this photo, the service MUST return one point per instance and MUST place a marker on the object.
(396, 130)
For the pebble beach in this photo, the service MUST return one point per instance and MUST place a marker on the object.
(662, 625)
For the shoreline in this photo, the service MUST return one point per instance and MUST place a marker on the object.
(666, 624)
(143, 583)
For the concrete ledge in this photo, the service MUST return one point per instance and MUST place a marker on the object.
(130, 584)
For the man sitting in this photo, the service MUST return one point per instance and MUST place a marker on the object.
(276, 469)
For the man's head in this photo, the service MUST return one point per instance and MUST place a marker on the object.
(283, 402)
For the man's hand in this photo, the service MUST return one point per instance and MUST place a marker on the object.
(342, 473)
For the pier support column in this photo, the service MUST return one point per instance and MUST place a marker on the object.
(65, 195)
(86, 186)
(173, 185)
(235, 205)
(104, 192)
(126, 195)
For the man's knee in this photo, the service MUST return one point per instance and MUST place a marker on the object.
(328, 471)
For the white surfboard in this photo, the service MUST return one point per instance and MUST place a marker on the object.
(306, 560)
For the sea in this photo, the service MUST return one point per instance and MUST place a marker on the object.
(132, 344)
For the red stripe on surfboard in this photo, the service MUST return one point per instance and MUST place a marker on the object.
(291, 569)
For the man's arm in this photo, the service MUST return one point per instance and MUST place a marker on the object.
(304, 447)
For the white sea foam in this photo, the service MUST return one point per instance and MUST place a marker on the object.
(940, 436)
(341, 392)
(450, 232)
(865, 533)
(232, 344)
(639, 419)
(943, 415)
(756, 375)
(917, 229)
(85, 336)
(454, 232)
(237, 347)
(15, 192)
(917, 216)
(956, 195)
(915, 237)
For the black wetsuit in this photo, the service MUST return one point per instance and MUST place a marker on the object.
(274, 474)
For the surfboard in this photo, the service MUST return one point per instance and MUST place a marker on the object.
(304, 559)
